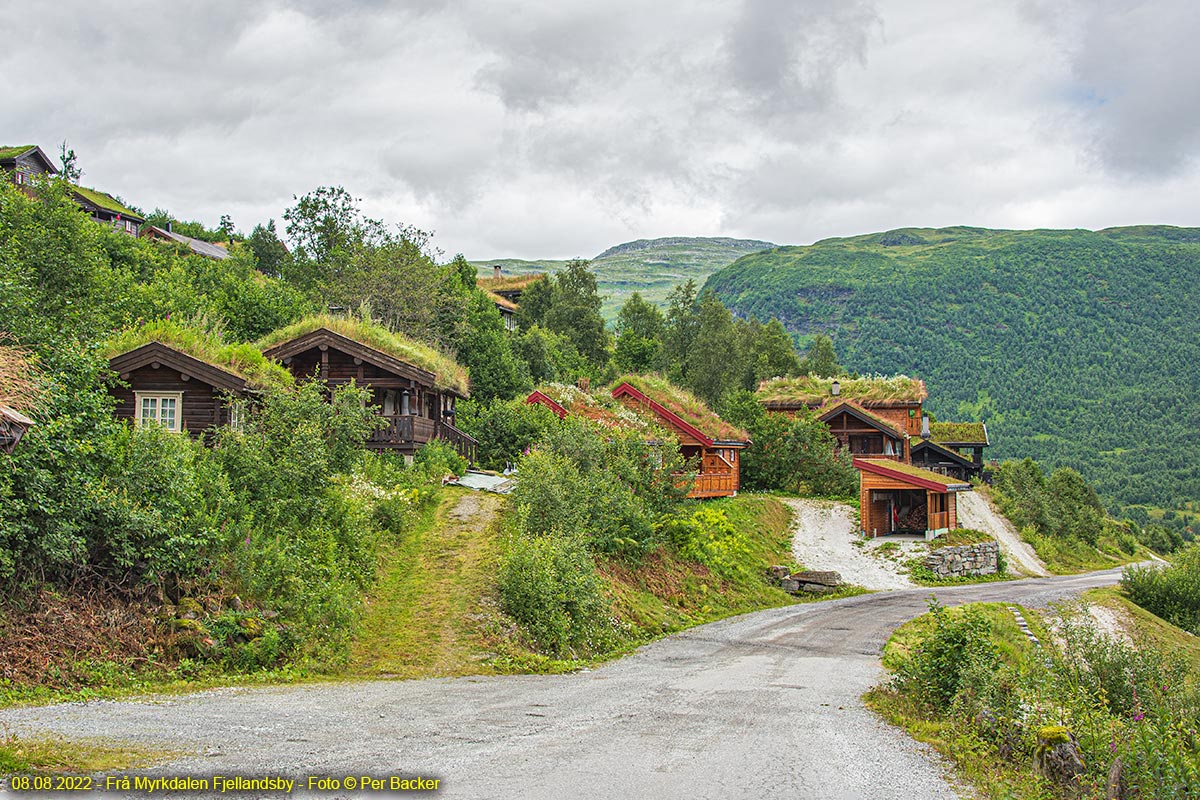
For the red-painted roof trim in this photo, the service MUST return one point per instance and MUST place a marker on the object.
(537, 397)
(881, 468)
(671, 417)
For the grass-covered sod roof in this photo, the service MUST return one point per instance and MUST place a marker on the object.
(448, 374)
(602, 409)
(105, 201)
(686, 406)
(508, 282)
(244, 360)
(7, 152)
(814, 390)
(958, 432)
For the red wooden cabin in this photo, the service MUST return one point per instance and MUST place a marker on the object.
(900, 498)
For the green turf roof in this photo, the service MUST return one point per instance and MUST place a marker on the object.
(105, 201)
(602, 409)
(958, 432)
(7, 152)
(244, 360)
(686, 406)
(913, 472)
(448, 374)
(814, 390)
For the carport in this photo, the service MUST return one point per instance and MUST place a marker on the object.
(899, 498)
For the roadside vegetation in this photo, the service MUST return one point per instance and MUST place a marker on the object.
(1062, 517)
(1085, 713)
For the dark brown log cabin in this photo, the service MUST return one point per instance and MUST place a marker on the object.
(901, 498)
(415, 410)
(24, 163)
(704, 438)
(171, 388)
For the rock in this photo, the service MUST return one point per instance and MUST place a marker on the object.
(790, 585)
(778, 572)
(1057, 757)
(1116, 781)
(824, 578)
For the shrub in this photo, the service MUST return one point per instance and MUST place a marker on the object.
(549, 585)
(1172, 592)
(708, 537)
(933, 673)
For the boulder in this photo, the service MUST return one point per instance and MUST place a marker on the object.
(1057, 757)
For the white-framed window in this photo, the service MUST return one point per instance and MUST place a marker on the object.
(160, 408)
(20, 177)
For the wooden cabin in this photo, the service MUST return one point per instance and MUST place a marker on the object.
(928, 454)
(24, 163)
(417, 403)
(899, 498)
(13, 427)
(705, 439)
(967, 439)
(168, 387)
(107, 209)
(873, 416)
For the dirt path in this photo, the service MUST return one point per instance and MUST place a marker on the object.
(975, 510)
(761, 705)
(823, 536)
(425, 606)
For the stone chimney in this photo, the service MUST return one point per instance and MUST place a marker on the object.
(924, 426)
(496, 271)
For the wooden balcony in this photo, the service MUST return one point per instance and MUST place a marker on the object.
(402, 431)
(714, 484)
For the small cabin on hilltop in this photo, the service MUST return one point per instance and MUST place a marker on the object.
(872, 416)
(107, 209)
(413, 387)
(197, 246)
(187, 392)
(712, 443)
(900, 498)
(25, 162)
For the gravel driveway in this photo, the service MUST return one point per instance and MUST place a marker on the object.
(976, 511)
(761, 705)
(823, 536)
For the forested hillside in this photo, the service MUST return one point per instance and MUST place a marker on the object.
(651, 267)
(1077, 348)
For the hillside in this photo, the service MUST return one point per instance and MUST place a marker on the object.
(1076, 347)
(650, 266)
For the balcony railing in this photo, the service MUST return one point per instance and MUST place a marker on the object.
(939, 520)
(714, 484)
(465, 444)
(402, 430)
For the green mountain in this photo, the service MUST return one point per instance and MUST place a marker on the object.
(1076, 347)
(650, 266)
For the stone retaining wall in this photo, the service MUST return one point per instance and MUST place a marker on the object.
(968, 559)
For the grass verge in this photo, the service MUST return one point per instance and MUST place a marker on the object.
(40, 754)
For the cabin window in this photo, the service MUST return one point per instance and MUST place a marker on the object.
(236, 415)
(20, 177)
(161, 408)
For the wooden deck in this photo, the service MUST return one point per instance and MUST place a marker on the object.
(407, 432)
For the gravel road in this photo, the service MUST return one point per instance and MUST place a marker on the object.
(975, 511)
(766, 704)
(823, 536)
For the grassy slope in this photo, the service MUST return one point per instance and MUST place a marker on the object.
(422, 618)
(652, 267)
(1074, 346)
(992, 777)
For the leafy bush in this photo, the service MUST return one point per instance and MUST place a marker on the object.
(1172, 592)
(606, 485)
(505, 430)
(933, 673)
(438, 458)
(708, 537)
(549, 585)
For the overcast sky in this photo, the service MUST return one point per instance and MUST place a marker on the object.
(557, 129)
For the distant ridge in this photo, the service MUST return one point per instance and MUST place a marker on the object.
(650, 266)
(1076, 347)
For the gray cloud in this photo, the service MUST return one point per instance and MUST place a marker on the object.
(558, 129)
